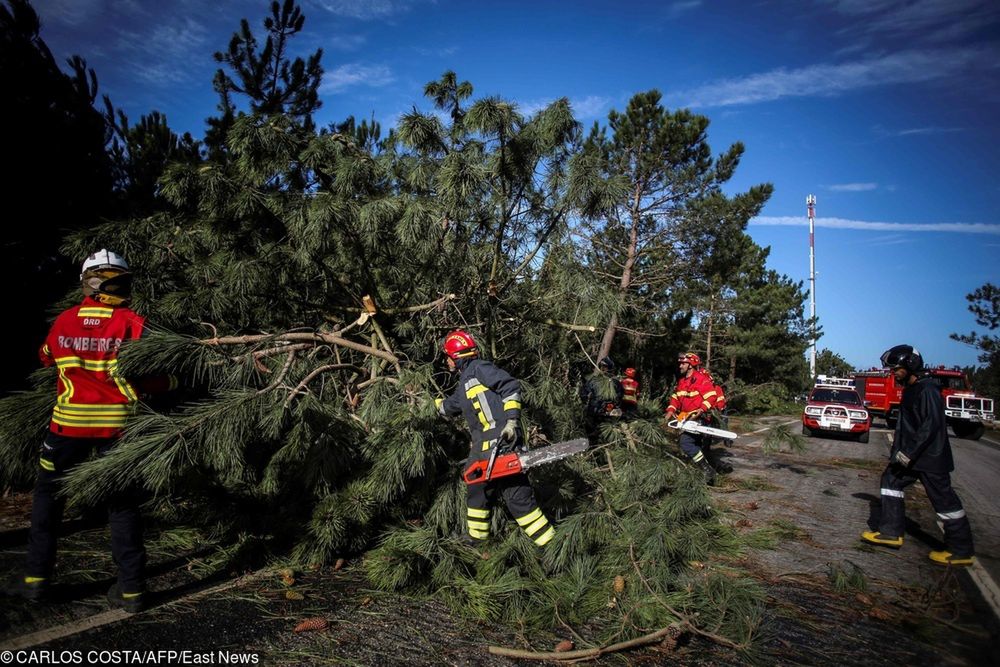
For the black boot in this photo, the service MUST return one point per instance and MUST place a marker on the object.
(132, 603)
(29, 588)
(708, 471)
(721, 466)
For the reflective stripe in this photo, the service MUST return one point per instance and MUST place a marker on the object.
(485, 413)
(545, 537)
(709, 394)
(33, 580)
(106, 421)
(513, 397)
(511, 405)
(76, 410)
(67, 392)
(479, 525)
(698, 457)
(951, 516)
(536, 526)
(48, 465)
(478, 513)
(95, 312)
(129, 596)
(475, 391)
(104, 365)
(894, 494)
(46, 350)
(478, 534)
(529, 517)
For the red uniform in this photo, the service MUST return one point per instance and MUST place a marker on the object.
(694, 392)
(93, 399)
(630, 392)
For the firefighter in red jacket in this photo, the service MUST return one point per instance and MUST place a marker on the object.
(490, 400)
(630, 392)
(93, 403)
(692, 399)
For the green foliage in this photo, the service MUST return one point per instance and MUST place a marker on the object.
(985, 306)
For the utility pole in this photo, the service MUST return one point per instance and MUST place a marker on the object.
(811, 210)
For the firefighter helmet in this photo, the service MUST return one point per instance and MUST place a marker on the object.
(903, 356)
(458, 344)
(630, 373)
(105, 278)
(689, 358)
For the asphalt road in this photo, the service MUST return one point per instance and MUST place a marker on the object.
(977, 481)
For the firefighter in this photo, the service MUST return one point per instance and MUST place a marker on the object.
(920, 451)
(490, 400)
(601, 395)
(693, 397)
(630, 393)
(92, 405)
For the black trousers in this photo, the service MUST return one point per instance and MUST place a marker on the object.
(60, 455)
(944, 500)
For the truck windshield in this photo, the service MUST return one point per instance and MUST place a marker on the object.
(836, 396)
(950, 382)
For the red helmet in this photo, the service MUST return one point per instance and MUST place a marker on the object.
(459, 344)
(690, 358)
(630, 372)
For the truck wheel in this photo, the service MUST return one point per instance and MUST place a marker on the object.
(968, 430)
(863, 437)
(806, 430)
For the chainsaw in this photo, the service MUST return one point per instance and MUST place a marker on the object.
(503, 462)
(692, 426)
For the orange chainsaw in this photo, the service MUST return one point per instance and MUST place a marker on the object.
(503, 462)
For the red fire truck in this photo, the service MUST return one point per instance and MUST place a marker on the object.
(964, 411)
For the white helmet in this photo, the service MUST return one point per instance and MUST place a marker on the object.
(103, 259)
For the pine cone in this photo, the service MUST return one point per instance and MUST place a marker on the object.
(619, 583)
(339, 564)
(309, 624)
(294, 595)
(564, 645)
(669, 643)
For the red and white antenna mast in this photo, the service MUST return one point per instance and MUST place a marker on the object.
(811, 211)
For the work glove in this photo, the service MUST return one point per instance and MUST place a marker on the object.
(902, 459)
(438, 402)
(509, 432)
(694, 414)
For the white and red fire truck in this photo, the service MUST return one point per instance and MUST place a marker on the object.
(965, 411)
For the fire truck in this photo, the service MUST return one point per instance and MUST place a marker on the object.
(964, 411)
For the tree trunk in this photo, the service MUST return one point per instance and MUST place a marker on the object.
(626, 281)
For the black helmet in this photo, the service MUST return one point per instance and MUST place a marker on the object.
(903, 356)
(606, 363)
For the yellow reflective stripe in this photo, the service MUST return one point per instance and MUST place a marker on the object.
(105, 365)
(545, 537)
(33, 580)
(512, 405)
(84, 410)
(709, 394)
(46, 350)
(110, 422)
(478, 513)
(529, 517)
(95, 312)
(478, 525)
(536, 526)
(129, 596)
(479, 413)
(697, 457)
(475, 391)
(67, 392)
(707, 405)
(479, 534)
(48, 465)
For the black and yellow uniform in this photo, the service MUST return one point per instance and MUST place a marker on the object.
(488, 397)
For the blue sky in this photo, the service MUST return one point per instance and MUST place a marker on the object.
(886, 110)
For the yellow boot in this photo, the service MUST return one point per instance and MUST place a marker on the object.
(948, 558)
(875, 537)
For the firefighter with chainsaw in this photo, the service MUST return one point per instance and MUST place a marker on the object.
(490, 400)
(921, 451)
(630, 393)
(92, 405)
(692, 399)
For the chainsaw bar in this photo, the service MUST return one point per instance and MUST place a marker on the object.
(560, 450)
(695, 427)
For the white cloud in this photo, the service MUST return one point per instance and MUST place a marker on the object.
(870, 226)
(926, 130)
(588, 107)
(353, 74)
(852, 187)
(366, 10)
(683, 6)
(834, 79)
(164, 55)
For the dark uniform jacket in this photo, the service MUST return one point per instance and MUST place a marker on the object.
(487, 397)
(921, 432)
(598, 392)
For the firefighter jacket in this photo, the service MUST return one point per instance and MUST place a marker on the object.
(630, 392)
(487, 397)
(93, 400)
(693, 392)
(921, 431)
(601, 394)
